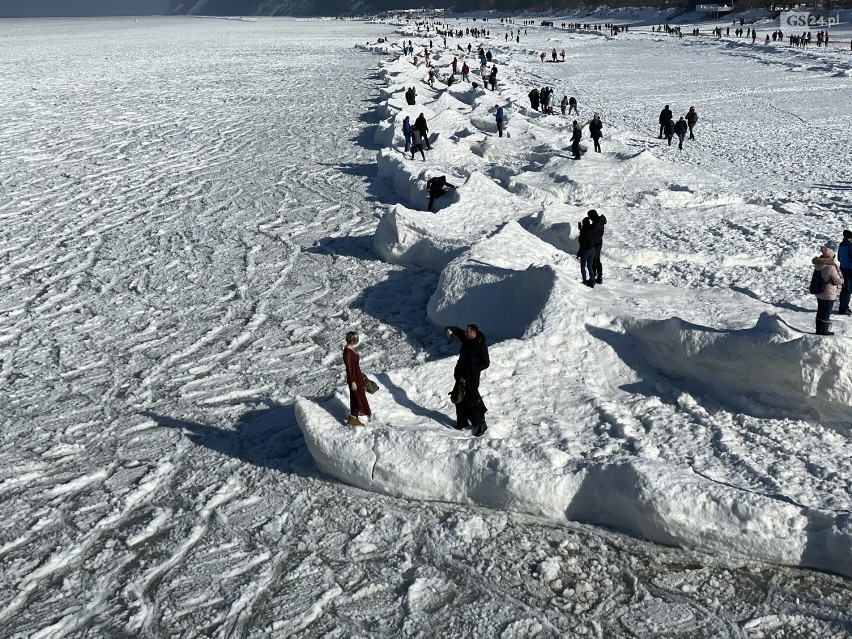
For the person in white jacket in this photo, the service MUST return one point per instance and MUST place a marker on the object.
(833, 281)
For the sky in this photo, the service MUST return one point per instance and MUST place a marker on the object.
(31, 8)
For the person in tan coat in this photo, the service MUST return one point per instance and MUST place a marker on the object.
(833, 281)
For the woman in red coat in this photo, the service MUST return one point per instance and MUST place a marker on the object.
(355, 380)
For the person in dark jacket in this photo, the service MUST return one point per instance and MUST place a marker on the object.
(596, 131)
(420, 125)
(572, 105)
(844, 255)
(410, 96)
(666, 115)
(691, 120)
(680, 129)
(598, 224)
(473, 359)
(586, 252)
(668, 130)
(534, 99)
(406, 131)
(833, 281)
(576, 135)
(436, 187)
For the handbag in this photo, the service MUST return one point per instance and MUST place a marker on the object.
(369, 385)
(458, 392)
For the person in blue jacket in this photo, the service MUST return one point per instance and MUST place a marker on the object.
(499, 115)
(844, 256)
(406, 131)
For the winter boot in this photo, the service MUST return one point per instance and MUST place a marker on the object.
(480, 430)
(826, 328)
(354, 421)
(818, 327)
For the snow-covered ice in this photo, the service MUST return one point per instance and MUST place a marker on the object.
(194, 213)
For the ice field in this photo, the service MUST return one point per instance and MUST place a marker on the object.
(195, 211)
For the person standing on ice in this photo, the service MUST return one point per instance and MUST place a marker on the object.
(832, 281)
(680, 128)
(492, 78)
(564, 104)
(844, 255)
(534, 98)
(666, 115)
(668, 130)
(691, 120)
(586, 252)
(420, 125)
(465, 72)
(499, 116)
(576, 135)
(572, 106)
(358, 404)
(596, 131)
(406, 131)
(598, 224)
(417, 143)
(473, 359)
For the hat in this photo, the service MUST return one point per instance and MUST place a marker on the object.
(826, 252)
(847, 234)
(496, 106)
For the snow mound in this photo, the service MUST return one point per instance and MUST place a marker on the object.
(643, 497)
(473, 210)
(496, 275)
(769, 365)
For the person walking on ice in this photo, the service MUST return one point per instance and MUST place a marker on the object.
(358, 404)
(473, 359)
(666, 116)
(680, 128)
(691, 120)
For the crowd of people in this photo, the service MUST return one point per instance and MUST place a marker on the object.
(833, 278)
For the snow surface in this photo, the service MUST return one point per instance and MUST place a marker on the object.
(193, 214)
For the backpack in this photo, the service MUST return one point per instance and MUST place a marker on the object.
(817, 285)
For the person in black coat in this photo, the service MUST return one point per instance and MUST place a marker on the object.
(437, 186)
(473, 359)
(586, 252)
(576, 135)
(668, 130)
(534, 98)
(598, 223)
(596, 131)
(420, 125)
(666, 115)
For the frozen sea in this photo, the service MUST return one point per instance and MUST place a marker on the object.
(189, 218)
